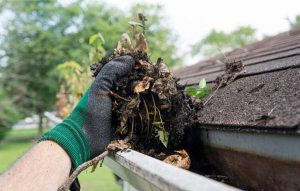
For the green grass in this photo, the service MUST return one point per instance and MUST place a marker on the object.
(101, 180)
(11, 151)
(22, 133)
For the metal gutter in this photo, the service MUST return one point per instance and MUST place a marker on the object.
(145, 173)
(254, 160)
(273, 145)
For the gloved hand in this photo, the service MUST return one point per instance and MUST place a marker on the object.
(87, 131)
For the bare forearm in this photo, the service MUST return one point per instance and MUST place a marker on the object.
(45, 167)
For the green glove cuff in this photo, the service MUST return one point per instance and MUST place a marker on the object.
(70, 136)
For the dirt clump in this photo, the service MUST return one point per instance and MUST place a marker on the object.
(233, 69)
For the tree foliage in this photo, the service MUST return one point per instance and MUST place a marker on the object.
(43, 34)
(219, 41)
(295, 22)
(8, 114)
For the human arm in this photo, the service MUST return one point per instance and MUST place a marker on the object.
(82, 135)
(44, 167)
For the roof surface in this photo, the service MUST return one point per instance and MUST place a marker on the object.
(266, 95)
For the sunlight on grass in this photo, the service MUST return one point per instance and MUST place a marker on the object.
(22, 133)
(100, 180)
(11, 151)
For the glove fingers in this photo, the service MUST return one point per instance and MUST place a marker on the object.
(97, 126)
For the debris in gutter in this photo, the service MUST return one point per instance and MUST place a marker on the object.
(181, 159)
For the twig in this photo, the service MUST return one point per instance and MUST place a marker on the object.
(158, 111)
(148, 117)
(81, 168)
(212, 95)
(132, 124)
(118, 96)
(271, 111)
(154, 116)
(142, 122)
(161, 121)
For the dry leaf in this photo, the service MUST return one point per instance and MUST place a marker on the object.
(118, 145)
(119, 46)
(162, 67)
(181, 159)
(165, 85)
(127, 112)
(141, 43)
(143, 85)
(126, 40)
(134, 103)
(158, 88)
(145, 64)
(134, 24)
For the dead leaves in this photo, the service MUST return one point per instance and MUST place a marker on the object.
(162, 67)
(143, 85)
(165, 85)
(144, 64)
(143, 100)
(127, 112)
(181, 159)
(141, 43)
(233, 68)
(126, 46)
(118, 145)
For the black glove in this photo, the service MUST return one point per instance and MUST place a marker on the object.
(87, 131)
(97, 126)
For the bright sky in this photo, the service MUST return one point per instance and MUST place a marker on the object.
(193, 19)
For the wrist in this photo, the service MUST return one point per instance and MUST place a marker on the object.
(71, 138)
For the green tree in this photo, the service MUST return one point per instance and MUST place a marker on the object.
(219, 41)
(295, 22)
(8, 114)
(43, 34)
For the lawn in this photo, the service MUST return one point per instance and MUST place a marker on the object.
(22, 133)
(101, 180)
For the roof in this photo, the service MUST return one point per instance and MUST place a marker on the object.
(266, 95)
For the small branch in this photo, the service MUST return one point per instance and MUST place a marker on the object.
(147, 115)
(118, 96)
(142, 122)
(271, 111)
(81, 168)
(132, 125)
(212, 95)
(156, 109)
(154, 116)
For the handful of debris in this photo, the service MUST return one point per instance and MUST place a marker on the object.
(150, 109)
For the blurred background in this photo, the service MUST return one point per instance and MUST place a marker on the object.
(47, 47)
